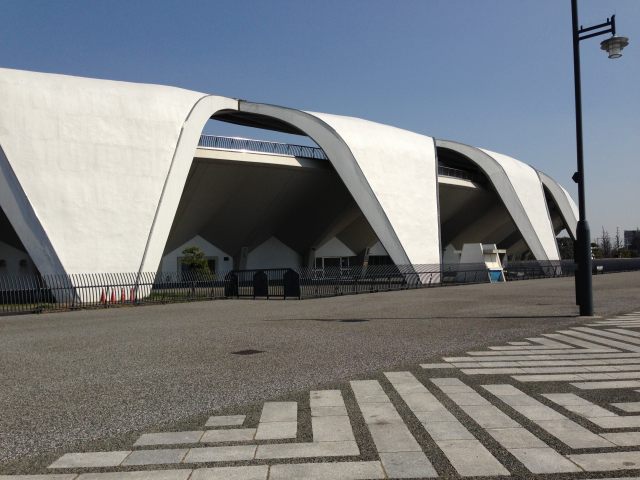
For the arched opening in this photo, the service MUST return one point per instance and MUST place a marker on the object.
(262, 194)
(471, 211)
(14, 259)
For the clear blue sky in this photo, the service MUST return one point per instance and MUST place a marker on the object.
(491, 73)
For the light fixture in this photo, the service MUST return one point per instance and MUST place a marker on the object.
(614, 45)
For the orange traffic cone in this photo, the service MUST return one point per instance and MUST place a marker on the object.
(113, 296)
(103, 297)
(123, 297)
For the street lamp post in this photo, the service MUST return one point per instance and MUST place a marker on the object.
(613, 46)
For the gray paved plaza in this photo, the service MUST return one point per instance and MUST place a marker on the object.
(480, 380)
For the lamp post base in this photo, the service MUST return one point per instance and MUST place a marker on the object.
(584, 293)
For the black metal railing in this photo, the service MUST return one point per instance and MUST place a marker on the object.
(275, 148)
(446, 171)
(31, 293)
(261, 146)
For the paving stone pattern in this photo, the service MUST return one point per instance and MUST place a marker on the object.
(499, 428)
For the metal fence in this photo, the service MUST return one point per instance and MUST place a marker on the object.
(67, 292)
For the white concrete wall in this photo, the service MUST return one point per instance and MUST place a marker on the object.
(10, 259)
(170, 260)
(378, 250)
(89, 161)
(400, 203)
(528, 187)
(334, 248)
(400, 167)
(273, 254)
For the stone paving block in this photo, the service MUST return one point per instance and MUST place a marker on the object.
(326, 398)
(448, 431)
(393, 437)
(331, 429)
(302, 450)
(90, 459)
(441, 415)
(573, 435)
(422, 402)
(519, 400)
(623, 439)
(220, 454)
(551, 377)
(606, 385)
(566, 399)
(446, 381)
(410, 387)
(181, 474)
(502, 390)
(401, 378)
(169, 438)
(516, 438)
(407, 465)
(456, 389)
(601, 462)
(470, 458)
(590, 411)
(630, 407)
(229, 435)
(324, 471)
(369, 388)
(277, 430)
(617, 422)
(225, 421)
(492, 371)
(258, 472)
(543, 460)
(468, 399)
(52, 476)
(539, 412)
(328, 411)
(279, 412)
(155, 457)
(434, 366)
(380, 413)
(488, 416)
(373, 398)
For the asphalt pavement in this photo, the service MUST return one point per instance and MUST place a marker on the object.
(97, 379)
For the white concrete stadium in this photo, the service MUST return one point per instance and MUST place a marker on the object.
(100, 176)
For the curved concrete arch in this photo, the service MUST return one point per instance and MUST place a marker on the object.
(16, 206)
(400, 204)
(566, 205)
(204, 109)
(520, 188)
(85, 163)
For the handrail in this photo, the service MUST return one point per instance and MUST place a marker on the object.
(261, 146)
(216, 142)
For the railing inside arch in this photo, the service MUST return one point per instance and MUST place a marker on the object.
(275, 148)
(261, 146)
(30, 293)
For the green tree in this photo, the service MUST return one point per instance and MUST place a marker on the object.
(194, 260)
(565, 247)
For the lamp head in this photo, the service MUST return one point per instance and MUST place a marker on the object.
(614, 45)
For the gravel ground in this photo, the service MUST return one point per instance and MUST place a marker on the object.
(96, 379)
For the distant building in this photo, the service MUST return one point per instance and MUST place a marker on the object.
(632, 238)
